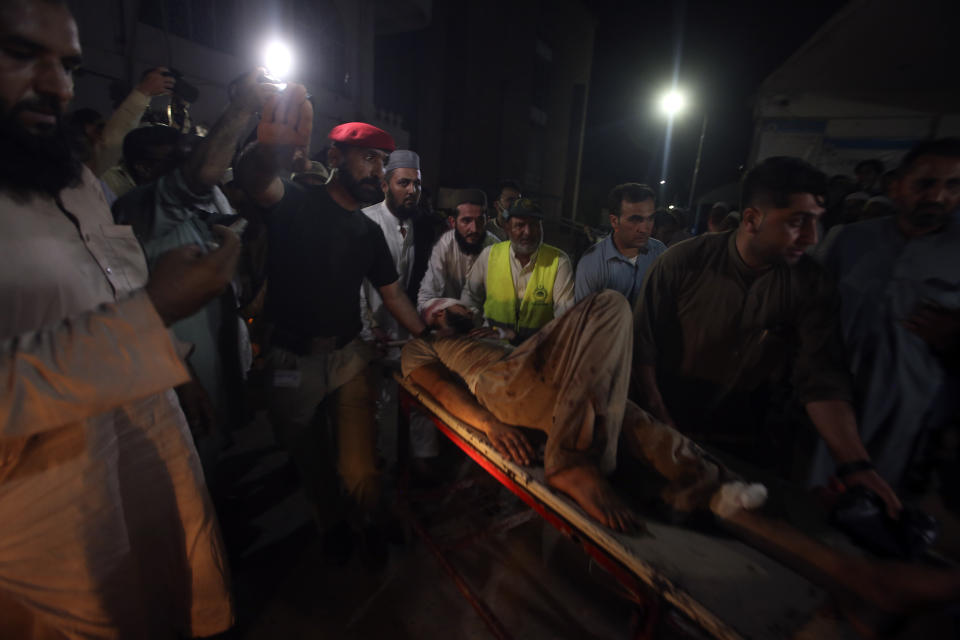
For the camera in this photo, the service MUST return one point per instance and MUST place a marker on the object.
(181, 88)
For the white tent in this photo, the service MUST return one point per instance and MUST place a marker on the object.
(875, 79)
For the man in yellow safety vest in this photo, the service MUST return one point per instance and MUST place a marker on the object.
(521, 284)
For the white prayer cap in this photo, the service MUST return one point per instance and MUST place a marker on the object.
(403, 159)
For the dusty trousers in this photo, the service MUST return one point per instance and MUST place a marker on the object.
(335, 389)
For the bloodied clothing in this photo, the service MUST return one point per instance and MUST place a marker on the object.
(550, 381)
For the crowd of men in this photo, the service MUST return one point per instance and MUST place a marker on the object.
(129, 299)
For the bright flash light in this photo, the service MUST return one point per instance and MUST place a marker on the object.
(663, 182)
(672, 207)
(672, 103)
(278, 59)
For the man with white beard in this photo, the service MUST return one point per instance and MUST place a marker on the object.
(521, 284)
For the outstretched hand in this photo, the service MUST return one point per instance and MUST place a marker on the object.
(248, 93)
(157, 82)
(287, 118)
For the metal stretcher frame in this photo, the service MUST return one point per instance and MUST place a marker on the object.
(647, 586)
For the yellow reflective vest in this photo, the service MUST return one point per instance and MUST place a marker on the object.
(536, 307)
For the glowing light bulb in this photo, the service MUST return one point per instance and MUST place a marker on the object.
(278, 59)
(673, 102)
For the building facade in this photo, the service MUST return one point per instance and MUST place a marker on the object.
(212, 42)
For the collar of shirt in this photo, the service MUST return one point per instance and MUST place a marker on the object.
(610, 251)
(530, 263)
(748, 275)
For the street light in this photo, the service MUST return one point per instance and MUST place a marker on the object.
(673, 102)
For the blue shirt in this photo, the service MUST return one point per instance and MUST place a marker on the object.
(604, 267)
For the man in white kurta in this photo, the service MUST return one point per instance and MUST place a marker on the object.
(106, 528)
(456, 250)
(395, 216)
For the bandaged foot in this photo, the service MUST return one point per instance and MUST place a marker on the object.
(735, 496)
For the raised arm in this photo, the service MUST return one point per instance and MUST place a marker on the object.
(213, 154)
(283, 135)
(127, 117)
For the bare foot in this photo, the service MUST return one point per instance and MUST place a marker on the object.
(593, 493)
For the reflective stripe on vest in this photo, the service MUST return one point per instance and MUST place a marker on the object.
(536, 308)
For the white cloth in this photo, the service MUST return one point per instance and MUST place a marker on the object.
(475, 291)
(447, 270)
(107, 528)
(373, 313)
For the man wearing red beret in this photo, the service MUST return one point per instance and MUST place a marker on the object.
(321, 249)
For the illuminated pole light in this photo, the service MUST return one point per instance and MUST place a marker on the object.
(278, 59)
(673, 103)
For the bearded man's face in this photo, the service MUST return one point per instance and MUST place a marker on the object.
(39, 49)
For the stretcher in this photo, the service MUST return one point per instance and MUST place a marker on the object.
(724, 587)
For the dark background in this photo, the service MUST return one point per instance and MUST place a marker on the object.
(725, 49)
(464, 81)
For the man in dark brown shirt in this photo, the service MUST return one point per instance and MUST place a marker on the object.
(724, 320)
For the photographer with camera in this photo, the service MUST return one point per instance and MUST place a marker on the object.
(180, 208)
(104, 139)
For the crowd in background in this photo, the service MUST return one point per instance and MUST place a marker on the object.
(811, 330)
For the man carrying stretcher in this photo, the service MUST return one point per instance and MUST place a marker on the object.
(570, 381)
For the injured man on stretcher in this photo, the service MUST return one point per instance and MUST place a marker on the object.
(570, 381)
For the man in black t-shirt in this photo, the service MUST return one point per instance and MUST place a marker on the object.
(321, 247)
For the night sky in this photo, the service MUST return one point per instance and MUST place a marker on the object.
(726, 50)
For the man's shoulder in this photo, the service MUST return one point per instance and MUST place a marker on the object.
(698, 249)
(374, 211)
(592, 258)
(657, 247)
(557, 251)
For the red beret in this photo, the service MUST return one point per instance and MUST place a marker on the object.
(361, 134)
